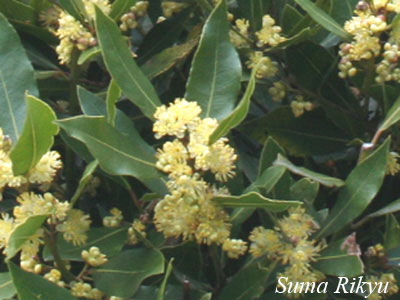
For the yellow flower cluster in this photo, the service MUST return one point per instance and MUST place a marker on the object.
(269, 35)
(239, 40)
(289, 244)
(299, 106)
(266, 67)
(188, 209)
(85, 290)
(393, 166)
(367, 28)
(387, 278)
(277, 91)
(43, 172)
(75, 226)
(94, 257)
(170, 8)
(54, 276)
(138, 226)
(129, 19)
(115, 219)
(74, 34)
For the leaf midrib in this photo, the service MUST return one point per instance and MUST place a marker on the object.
(9, 105)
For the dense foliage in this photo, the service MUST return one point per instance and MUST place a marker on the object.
(198, 149)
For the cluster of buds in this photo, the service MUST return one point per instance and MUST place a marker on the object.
(266, 67)
(277, 91)
(299, 106)
(170, 8)
(129, 20)
(115, 219)
(94, 257)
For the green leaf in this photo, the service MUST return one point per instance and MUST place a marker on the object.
(16, 77)
(85, 179)
(269, 153)
(161, 291)
(113, 95)
(361, 187)
(116, 154)
(322, 18)
(166, 59)
(300, 135)
(306, 190)
(388, 209)
(75, 8)
(296, 39)
(318, 177)
(392, 233)
(256, 200)
(34, 287)
(122, 275)
(119, 7)
(7, 288)
(22, 232)
(92, 105)
(15, 10)
(109, 240)
(392, 116)
(163, 35)
(248, 283)
(335, 261)
(239, 114)
(269, 178)
(123, 68)
(214, 79)
(88, 54)
(37, 136)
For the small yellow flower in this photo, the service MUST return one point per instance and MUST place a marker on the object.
(75, 226)
(94, 257)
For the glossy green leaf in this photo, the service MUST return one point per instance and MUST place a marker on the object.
(335, 261)
(361, 187)
(214, 79)
(296, 39)
(113, 95)
(37, 135)
(85, 179)
(161, 291)
(323, 19)
(247, 283)
(269, 178)
(119, 7)
(299, 135)
(122, 275)
(120, 64)
(30, 286)
(22, 232)
(306, 190)
(75, 8)
(269, 153)
(166, 59)
(92, 105)
(15, 79)
(7, 288)
(239, 113)
(163, 35)
(109, 240)
(206, 297)
(392, 233)
(388, 209)
(392, 116)
(15, 10)
(318, 177)
(88, 54)
(116, 154)
(254, 200)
